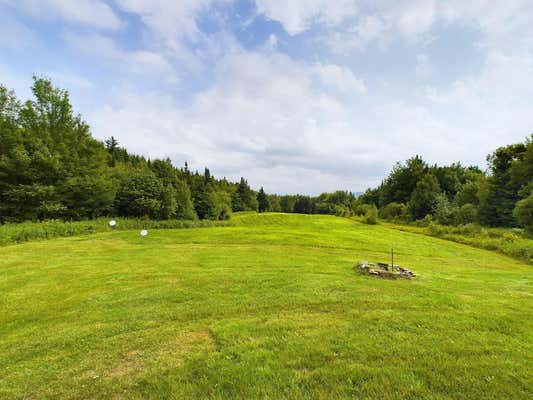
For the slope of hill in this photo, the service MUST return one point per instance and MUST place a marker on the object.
(269, 307)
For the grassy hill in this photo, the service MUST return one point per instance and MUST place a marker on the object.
(269, 307)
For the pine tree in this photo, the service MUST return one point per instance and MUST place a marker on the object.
(244, 199)
(262, 201)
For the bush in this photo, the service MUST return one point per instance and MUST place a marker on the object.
(361, 209)
(393, 211)
(342, 211)
(371, 216)
(443, 210)
(424, 222)
(523, 213)
(466, 214)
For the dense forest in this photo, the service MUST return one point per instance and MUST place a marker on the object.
(52, 168)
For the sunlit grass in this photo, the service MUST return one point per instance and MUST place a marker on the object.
(267, 308)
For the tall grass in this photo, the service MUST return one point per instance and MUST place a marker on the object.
(511, 242)
(29, 231)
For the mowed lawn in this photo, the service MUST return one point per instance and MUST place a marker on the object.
(270, 308)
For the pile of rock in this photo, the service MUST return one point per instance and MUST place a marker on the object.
(384, 270)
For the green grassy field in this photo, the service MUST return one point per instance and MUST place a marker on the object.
(267, 308)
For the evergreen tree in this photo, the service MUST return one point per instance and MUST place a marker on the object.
(496, 208)
(303, 205)
(262, 201)
(244, 199)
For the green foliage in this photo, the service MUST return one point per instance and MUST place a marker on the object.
(402, 181)
(511, 242)
(523, 213)
(466, 214)
(140, 195)
(371, 216)
(361, 209)
(287, 203)
(51, 168)
(338, 203)
(424, 197)
(469, 192)
(34, 231)
(184, 205)
(244, 198)
(219, 204)
(512, 173)
(303, 205)
(262, 201)
(275, 202)
(393, 211)
(443, 211)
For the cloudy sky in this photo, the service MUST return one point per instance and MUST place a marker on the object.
(299, 96)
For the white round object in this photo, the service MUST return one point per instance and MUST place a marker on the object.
(144, 232)
(112, 222)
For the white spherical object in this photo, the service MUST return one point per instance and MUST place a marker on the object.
(144, 232)
(112, 222)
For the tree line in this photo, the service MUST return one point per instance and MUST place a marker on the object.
(455, 195)
(52, 168)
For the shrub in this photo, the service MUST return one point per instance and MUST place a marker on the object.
(371, 216)
(361, 209)
(523, 213)
(467, 214)
(424, 222)
(393, 211)
(443, 210)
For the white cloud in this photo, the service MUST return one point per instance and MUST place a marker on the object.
(170, 19)
(414, 17)
(297, 15)
(339, 77)
(173, 28)
(94, 13)
(301, 125)
(263, 113)
(412, 20)
(494, 106)
(139, 61)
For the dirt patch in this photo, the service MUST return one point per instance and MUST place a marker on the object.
(131, 364)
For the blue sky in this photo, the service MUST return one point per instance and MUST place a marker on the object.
(300, 96)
